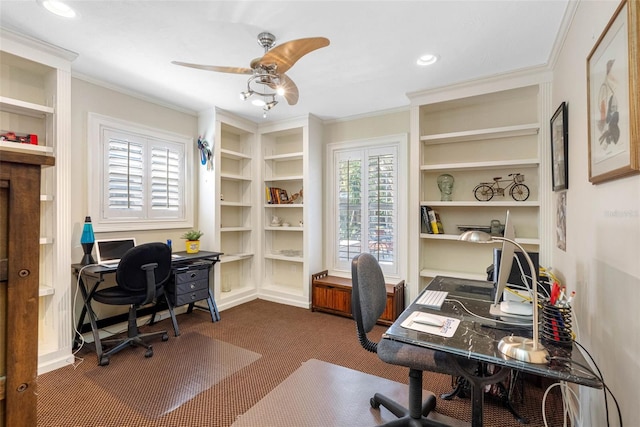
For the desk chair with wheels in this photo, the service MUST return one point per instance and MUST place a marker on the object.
(368, 303)
(140, 277)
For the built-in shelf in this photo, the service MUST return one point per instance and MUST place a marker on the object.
(234, 155)
(25, 108)
(233, 177)
(284, 178)
(229, 229)
(502, 164)
(478, 204)
(284, 205)
(455, 237)
(25, 148)
(286, 157)
(234, 257)
(482, 134)
(284, 257)
(281, 228)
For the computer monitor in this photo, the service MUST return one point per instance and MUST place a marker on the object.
(506, 261)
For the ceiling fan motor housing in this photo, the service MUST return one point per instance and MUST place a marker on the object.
(266, 40)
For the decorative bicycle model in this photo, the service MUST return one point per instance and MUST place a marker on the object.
(519, 191)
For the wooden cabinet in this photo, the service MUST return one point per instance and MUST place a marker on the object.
(332, 294)
(19, 283)
(35, 98)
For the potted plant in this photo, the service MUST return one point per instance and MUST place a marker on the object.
(192, 241)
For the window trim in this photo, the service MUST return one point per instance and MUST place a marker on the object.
(97, 124)
(331, 223)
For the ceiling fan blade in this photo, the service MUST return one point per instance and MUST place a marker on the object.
(287, 54)
(291, 93)
(234, 70)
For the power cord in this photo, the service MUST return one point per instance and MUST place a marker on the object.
(569, 398)
(598, 376)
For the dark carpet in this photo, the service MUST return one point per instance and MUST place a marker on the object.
(285, 337)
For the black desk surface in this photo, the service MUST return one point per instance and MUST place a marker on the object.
(177, 258)
(477, 338)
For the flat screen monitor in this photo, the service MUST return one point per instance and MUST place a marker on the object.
(506, 260)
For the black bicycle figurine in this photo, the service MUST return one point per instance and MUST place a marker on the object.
(519, 191)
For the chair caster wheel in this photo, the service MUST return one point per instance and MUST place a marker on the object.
(373, 403)
(148, 353)
(104, 361)
(165, 337)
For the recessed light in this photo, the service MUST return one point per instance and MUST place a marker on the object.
(58, 8)
(427, 59)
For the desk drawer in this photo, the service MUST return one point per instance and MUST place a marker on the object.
(191, 275)
(189, 297)
(185, 288)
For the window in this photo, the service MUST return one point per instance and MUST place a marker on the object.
(144, 182)
(366, 194)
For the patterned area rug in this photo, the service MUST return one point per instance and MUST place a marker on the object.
(179, 370)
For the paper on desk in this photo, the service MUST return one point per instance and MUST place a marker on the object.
(447, 329)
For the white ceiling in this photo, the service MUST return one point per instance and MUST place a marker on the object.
(369, 66)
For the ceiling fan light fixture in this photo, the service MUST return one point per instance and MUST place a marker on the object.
(259, 102)
(280, 91)
(427, 59)
(269, 105)
(245, 95)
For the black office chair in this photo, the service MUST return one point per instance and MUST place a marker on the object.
(369, 298)
(141, 275)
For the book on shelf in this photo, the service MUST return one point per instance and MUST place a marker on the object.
(276, 196)
(425, 224)
(434, 221)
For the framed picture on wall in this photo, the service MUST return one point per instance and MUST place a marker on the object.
(613, 97)
(560, 148)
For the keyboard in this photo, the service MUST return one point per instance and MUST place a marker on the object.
(432, 299)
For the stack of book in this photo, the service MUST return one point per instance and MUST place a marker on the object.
(430, 221)
(276, 196)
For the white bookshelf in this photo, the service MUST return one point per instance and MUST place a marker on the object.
(475, 139)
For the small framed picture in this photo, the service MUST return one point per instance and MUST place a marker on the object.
(560, 148)
(613, 97)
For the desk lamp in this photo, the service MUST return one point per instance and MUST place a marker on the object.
(519, 348)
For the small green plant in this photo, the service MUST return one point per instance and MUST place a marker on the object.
(192, 235)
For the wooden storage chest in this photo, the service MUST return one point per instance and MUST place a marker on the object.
(332, 294)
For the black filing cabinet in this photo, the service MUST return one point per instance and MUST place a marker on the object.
(190, 283)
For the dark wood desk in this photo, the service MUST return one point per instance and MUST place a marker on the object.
(476, 339)
(90, 277)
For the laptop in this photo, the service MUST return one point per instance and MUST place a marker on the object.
(110, 251)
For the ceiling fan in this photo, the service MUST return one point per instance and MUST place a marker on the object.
(268, 77)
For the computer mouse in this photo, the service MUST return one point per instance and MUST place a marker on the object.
(425, 319)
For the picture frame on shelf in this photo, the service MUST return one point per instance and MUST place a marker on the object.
(613, 98)
(560, 148)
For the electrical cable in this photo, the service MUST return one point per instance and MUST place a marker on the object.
(521, 324)
(597, 376)
(563, 387)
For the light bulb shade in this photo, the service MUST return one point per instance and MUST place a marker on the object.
(475, 236)
(87, 232)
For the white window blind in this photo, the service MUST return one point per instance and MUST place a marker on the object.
(145, 180)
(366, 206)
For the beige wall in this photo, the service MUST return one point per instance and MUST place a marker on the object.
(602, 260)
(87, 97)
